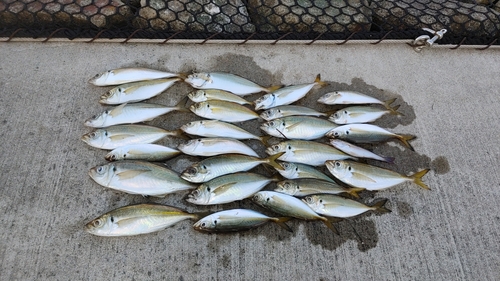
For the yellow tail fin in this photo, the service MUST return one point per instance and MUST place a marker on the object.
(272, 88)
(380, 206)
(328, 221)
(319, 82)
(353, 191)
(265, 139)
(281, 222)
(405, 138)
(417, 178)
(271, 160)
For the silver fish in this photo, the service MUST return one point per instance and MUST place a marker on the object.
(236, 220)
(351, 97)
(305, 186)
(227, 82)
(306, 152)
(219, 129)
(223, 110)
(127, 75)
(228, 188)
(217, 166)
(121, 135)
(286, 95)
(142, 151)
(339, 207)
(215, 146)
(298, 127)
(137, 91)
(295, 171)
(371, 177)
(139, 177)
(289, 110)
(130, 113)
(211, 94)
(289, 206)
(137, 219)
(357, 151)
(366, 133)
(361, 114)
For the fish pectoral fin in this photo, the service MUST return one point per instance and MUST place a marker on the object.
(227, 186)
(117, 110)
(294, 125)
(120, 137)
(362, 177)
(129, 174)
(355, 114)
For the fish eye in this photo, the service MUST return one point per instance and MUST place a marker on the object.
(191, 170)
(276, 147)
(272, 123)
(337, 164)
(203, 224)
(92, 135)
(336, 134)
(96, 223)
(99, 170)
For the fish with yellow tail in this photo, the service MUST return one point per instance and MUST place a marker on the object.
(298, 127)
(361, 114)
(215, 146)
(212, 94)
(371, 177)
(352, 97)
(237, 220)
(136, 220)
(227, 82)
(290, 110)
(127, 75)
(290, 206)
(223, 111)
(339, 207)
(137, 91)
(306, 186)
(292, 170)
(142, 151)
(219, 129)
(286, 95)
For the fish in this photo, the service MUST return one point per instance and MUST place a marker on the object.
(120, 135)
(130, 113)
(366, 133)
(215, 146)
(286, 95)
(219, 129)
(137, 219)
(212, 94)
(236, 220)
(289, 206)
(360, 114)
(226, 82)
(303, 187)
(371, 177)
(306, 152)
(298, 127)
(290, 110)
(128, 75)
(352, 97)
(339, 207)
(139, 177)
(357, 151)
(217, 166)
(296, 170)
(146, 151)
(223, 111)
(137, 91)
(228, 188)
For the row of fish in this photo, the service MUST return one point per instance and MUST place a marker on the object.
(223, 176)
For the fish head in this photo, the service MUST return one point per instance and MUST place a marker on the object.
(273, 127)
(271, 113)
(339, 132)
(112, 96)
(195, 173)
(192, 127)
(96, 138)
(339, 117)
(265, 102)
(200, 108)
(97, 121)
(102, 174)
(190, 146)
(279, 147)
(287, 187)
(207, 223)
(115, 155)
(330, 98)
(101, 78)
(290, 170)
(314, 202)
(101, 226)
(198, 80)
(201, 195)
(198, 96)
(339, 169)
(261, 198)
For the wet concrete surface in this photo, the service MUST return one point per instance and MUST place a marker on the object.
(449, 100)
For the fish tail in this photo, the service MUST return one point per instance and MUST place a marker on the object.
(417, 178)
(388, 103)
(380, 206)
(319, 82)
(281, 222)
(183, 75)
(353, 191)
(265, 139)
(272, 88)
(179, 133)
(405, 138)
(182, 105)
(271, 160)
(394, 110)
(389, 160)
(329, 223)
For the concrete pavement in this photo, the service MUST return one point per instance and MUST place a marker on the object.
(451, 103)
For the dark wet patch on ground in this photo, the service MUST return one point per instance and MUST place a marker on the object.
(440, 165)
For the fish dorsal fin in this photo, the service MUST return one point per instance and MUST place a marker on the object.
(361, 177)
(117, 110)
(120, 137)
(130, 174)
